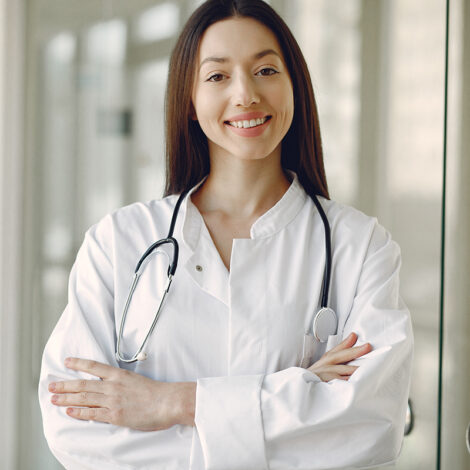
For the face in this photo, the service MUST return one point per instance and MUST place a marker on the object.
(242, 80)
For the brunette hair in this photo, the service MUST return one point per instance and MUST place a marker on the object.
(187, 152)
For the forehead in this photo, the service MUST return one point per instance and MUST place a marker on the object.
(236, 38)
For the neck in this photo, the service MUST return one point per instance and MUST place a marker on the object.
(241, 189)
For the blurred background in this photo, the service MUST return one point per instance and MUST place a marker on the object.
(81, 134)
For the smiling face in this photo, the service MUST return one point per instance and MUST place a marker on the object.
(242, 92)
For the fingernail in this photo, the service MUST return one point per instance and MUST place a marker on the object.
(54, 398)
(51, 387)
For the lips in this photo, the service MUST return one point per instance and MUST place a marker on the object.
(248, 116)
(253, 122)
(249, 131)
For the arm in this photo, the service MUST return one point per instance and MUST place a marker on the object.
(330, 366)
(90, 290)
(123, 398)
(86, 330)
(291, 419)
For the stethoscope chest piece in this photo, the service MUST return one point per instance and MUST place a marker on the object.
(325, 324)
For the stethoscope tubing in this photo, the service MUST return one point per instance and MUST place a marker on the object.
(328, 261)
(140, 354)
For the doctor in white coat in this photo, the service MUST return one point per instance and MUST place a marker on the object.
(234, 378)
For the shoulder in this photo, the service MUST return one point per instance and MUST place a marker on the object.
(347, 224)
(139, 220)
(346, 217)
(352, 227)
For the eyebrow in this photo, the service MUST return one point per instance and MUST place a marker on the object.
(222, 60)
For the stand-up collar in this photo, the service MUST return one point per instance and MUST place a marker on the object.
(271, 222)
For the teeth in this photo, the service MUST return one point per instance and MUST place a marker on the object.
(247, 124)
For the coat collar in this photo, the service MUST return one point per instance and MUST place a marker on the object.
(204, 263)
(271, 222)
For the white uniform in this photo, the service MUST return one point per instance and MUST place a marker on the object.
(240, 335)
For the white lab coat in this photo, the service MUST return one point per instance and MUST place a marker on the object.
(240, 335)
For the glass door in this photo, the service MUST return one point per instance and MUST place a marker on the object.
(454, 405)
(95, 117)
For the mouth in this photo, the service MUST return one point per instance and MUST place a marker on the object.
(248, 124)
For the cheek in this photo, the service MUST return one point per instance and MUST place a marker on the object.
(207, 117)
(290, 102)
(289, 108)
(284, 101)
(199, 99)
(286, 107)
(206, 107)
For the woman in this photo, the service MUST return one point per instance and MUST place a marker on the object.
(234, 377)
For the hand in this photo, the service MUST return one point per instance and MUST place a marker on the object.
(122, 397)
(332, 364)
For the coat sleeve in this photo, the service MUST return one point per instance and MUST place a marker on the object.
(291, 419)
(86, 329)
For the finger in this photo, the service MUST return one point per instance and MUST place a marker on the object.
(346, 355)
(341, 377)
(98, 386)
(344, 370)
(331, 376)
(90, 414)
(92, 367)
(79, 399)
(346, 343)
(335, 372)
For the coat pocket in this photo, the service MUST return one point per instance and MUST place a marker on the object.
(333, 340)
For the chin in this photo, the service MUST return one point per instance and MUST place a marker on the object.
(250, 156)
(253, 154)
(242, 152)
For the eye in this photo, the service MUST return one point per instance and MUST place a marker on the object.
(214, 78)
(268, 69)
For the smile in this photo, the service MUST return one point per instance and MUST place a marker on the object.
(248, 124)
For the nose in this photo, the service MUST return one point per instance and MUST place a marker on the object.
(245, 92)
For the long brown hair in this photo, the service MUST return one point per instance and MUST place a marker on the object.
(187, 152)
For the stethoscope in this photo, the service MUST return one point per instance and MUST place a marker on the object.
(325, 321)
